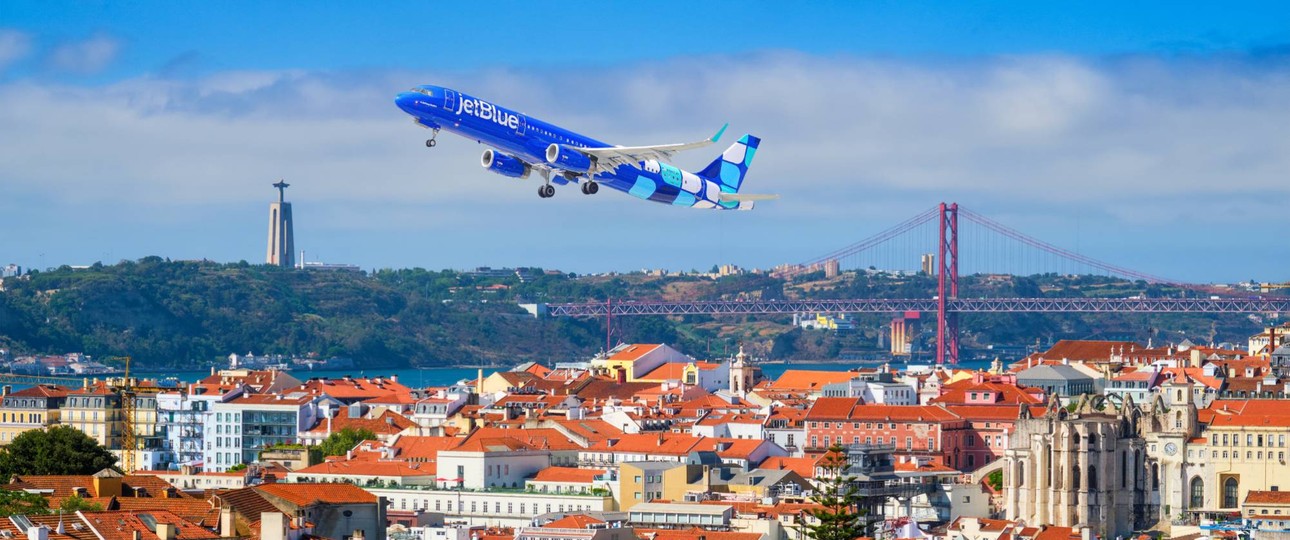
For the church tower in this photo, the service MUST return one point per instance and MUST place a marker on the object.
(743, 374)
(282, 241)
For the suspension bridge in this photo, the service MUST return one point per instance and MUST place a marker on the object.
(933, 239)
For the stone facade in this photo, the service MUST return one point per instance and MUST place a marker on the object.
(1086, 467)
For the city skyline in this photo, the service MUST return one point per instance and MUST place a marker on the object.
(1154, 140)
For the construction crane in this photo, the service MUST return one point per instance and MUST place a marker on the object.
(129, 446)
(124, 388)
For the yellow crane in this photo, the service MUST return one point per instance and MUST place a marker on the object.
(125, 389)
(129, 446)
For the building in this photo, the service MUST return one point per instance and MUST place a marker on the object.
(280, 511)
(36, 407)
(282, 239)
(1087, 467)
(1060, 381)
(239, 428)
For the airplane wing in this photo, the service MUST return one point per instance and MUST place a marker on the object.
(746, 197)
(609, 158)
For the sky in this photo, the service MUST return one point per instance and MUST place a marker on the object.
(1151, 135)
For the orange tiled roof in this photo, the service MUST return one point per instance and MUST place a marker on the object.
(634, 351)
(803, 466)
(367, 467)
(576, 521)
(1268, 497)
(388, 423)
(306, 494)
(568, 474)
(121, 525)
(799, 379)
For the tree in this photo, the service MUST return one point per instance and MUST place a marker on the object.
(344, 440)
(839, 517)
(76, 504)
(14, 503)
(59, 450)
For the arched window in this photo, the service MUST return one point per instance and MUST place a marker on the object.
(1197, 493)
(1021, 473)
(1155, 477)
(1124, 469)
(1230, 487)
(1092, 478)
(1075, 477)
(1092, 441)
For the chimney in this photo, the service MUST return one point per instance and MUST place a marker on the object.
(136, 535)
(358, 534)
(226, 522)
(165, 531)
(273, 526)
(6, 390)
(394, 378)
(39, 533)
(1085, 533)
(479, 382)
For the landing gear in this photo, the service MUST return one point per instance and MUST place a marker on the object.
(431, 141)
(546, 191)
(590, 187)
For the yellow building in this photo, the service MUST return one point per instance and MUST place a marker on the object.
(645, 481)
(95, 410)
(1242, 450)
(31, 408)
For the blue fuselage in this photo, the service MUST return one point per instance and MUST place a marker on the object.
(527, 139)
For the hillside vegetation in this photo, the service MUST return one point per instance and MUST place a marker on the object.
(181, 314)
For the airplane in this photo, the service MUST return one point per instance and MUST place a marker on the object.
(520, 144)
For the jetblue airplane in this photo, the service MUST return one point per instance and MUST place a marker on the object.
(521, 144)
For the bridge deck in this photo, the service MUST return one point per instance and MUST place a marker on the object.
(961, 305)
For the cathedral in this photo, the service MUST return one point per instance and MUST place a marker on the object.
(1083, 467)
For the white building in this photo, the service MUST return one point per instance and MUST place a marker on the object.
(239, 428)
(484, 463)
(502, 508)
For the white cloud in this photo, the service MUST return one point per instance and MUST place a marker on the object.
(85, 57)
(14, 46)
(844, 139)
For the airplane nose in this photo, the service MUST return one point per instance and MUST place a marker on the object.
(407, 102)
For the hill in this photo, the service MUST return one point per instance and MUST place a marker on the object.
(180, 314)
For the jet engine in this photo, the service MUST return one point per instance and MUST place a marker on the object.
(505, 165)
(567, 158)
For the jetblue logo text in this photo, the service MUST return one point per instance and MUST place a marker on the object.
(488, 111)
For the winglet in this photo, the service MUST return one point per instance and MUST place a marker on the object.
(720, 132)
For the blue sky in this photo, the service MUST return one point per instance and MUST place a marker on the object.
(1150, 135)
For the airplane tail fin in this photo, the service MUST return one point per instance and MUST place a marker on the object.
(729, 169)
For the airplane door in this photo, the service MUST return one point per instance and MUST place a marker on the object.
(519, 128)
(450, 100)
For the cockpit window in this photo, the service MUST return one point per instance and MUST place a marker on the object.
(421, 91)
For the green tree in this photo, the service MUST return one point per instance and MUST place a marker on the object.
(840, 515)
(995, 480)
(22, 503)
(75, 503)
(58, 450)
(344, 440)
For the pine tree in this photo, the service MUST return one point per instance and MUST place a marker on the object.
(840, 515)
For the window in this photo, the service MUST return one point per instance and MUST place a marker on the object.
(1230, 489)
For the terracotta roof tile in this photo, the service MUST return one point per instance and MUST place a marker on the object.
(306, 494)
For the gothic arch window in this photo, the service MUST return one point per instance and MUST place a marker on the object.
(1197, 493)
(1021, 473)
(1092, 478)
(1124, 469)
(1092, 441)
(1075, 477)
(1155, 477)
(1230, 488)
